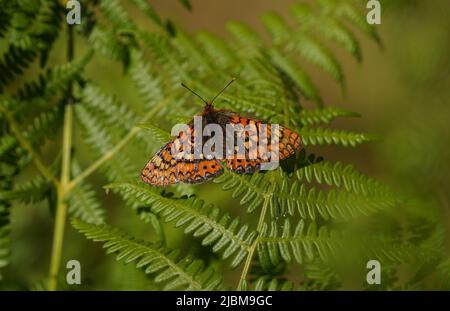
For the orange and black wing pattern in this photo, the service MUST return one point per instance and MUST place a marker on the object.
(165, 168)
(288, 142)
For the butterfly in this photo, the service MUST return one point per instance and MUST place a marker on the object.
(176, 161)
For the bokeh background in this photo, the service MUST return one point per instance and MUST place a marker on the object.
(402, 92)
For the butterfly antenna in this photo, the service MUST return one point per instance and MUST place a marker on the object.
(187, 87)
(232, 80)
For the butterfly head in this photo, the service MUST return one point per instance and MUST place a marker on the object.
(208, 108)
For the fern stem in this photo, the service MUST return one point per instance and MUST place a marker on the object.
(62, 190)
(122, 143)
(61, 207)
(248, 260)
(28, 147)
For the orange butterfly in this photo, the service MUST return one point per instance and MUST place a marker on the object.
(166, 168)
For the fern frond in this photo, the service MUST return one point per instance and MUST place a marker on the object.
(146, 80)
(297, 75)
(32, 191)
(116, 14)
(7, 142)
(54, 80)
(186, 4)
(304, 241)
(109, 109)
(5, 18)
(84, 205)
(249, 42)
(316, 53)
(323, 115)
(251, 189)
(145, 7)
(217, 49)
(326, 26)
(327, 136)
(444, 274)
(165, 55)
(319, 276)
(219, 230)
(82, 200)
(5, 232)
(156, 133)
(164, 264)
(5, 224)
(347, 11)
(277, 27)
(266, 283)
(312, 50)
(24, 48)
(391, 252)
(106, 43)
(44, 126)
(13, 63)
(341, 175)
(186, 46)
(100, 141)
(338, 205)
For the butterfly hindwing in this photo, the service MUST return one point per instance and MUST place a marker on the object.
(165, 169)
(241, 162)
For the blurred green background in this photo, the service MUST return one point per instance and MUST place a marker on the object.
(402, 92)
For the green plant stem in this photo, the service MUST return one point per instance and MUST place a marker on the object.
(61, 207)
(62, 190)
(108, 155)
(248, 260)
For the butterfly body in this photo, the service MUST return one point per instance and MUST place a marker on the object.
(165, 169)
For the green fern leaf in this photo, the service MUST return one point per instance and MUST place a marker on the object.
(116, 14)
(249, 42)
(114, 113)
(159, 135)
(217, 49)
(328, 27)
(326, 136)
(277, 28)
(32, 191)
(149, 11)
(271, 284)
(100, 140)
(106, 43)
(323, 115)
(304, 241)
(162, 263)
(203, 221)
(296, 74)
(251, 189)
(339, 175)
(147, 82)
(82, 200)
(55, 80)
(7, 142)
